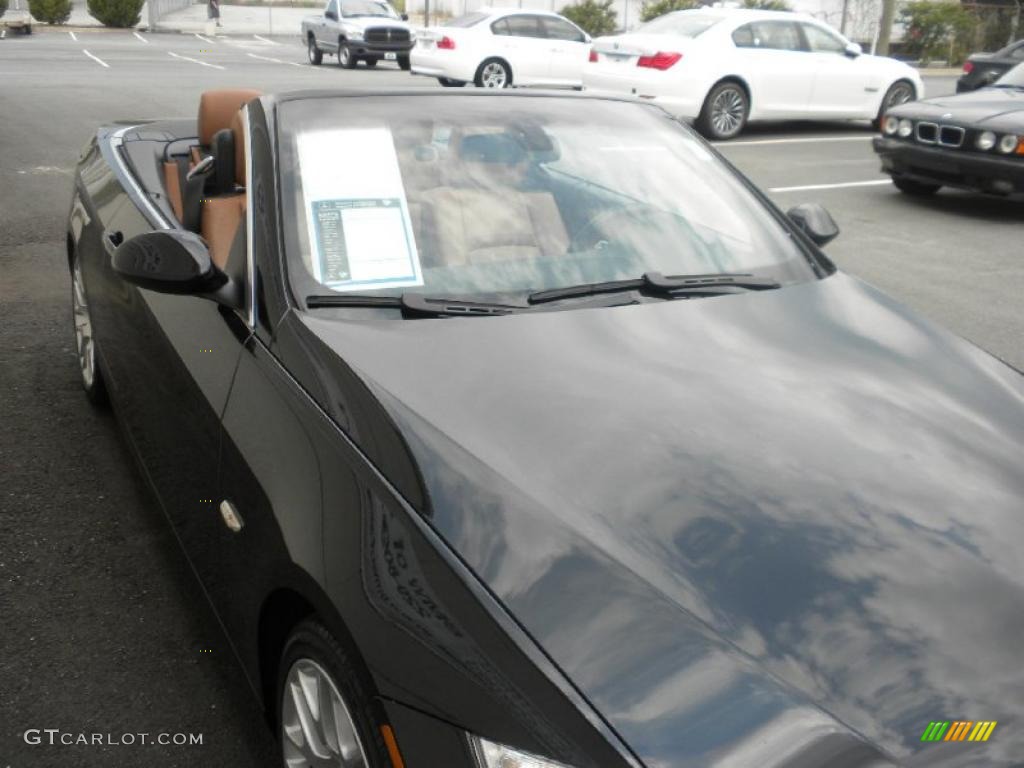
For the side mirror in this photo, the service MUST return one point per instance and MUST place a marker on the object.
(853, 50)
(814, 221)
(405, 17)
(330, 15)
(168, 261)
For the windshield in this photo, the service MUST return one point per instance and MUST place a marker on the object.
(484, 196)
(1013, 78)
(683, 24)
(367, 8)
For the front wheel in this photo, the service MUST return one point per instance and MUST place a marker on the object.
(404, 63)
(898, 93)
(915, 188)
(725, 112)
(88, 363)
(345, 58)
(447, 82)
(326, 716)
(493, 73)
(315, 54)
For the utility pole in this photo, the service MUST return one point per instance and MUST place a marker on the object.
(885, 26)
(842, 19)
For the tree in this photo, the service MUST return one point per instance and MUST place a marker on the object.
(768, 5)
(116, 13)
(937, 29)
(3, 7)
(885, 27)
(652, 9)
(595, 17)
(50, 11)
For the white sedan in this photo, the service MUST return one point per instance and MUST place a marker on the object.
(723, 67)
(500, 48)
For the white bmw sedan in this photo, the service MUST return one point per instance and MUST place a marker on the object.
(724, 67)
(500, 48)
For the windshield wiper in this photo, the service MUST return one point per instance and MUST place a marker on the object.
(661, 285)
(417, 305)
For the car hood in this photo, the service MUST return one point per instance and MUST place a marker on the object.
(772, 529)
(982, 107)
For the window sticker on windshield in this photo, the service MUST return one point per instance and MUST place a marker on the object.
(360, 232)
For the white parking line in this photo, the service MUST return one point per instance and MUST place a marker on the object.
(97, 59)
(3, 34)
(205, 39)
(73, 36)
(276, 61)
(265, 40)
(809, 187)
(140, 37)
(762, 142)
(195, 61)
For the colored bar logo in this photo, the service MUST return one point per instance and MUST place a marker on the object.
(958, 730)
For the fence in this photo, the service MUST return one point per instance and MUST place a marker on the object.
(157, 9)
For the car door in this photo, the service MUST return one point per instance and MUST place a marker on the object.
(520, 40)
(170, 360)
(773, 57)
(326, 36)
(569, 49)
(843, 84)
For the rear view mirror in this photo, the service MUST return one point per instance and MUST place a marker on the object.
(814, 221)
(168, 261)
(853, 50)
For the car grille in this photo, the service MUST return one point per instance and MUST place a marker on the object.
(387, 35)
(943, 135)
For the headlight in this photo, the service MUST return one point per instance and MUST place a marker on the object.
(890, 124)
(491, 755)
(354, 34)
(1008, 143)
(985, 141)
(906, 127)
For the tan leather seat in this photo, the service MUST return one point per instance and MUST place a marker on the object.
(222, 216)
(217, 110)
(483, 214)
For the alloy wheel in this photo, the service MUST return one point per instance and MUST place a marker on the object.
(900, 93)
(494, 75)
(83, 326)
(316, 726)
(727, 111)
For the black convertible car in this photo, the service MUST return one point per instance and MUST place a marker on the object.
(521, 431)
(972, 141)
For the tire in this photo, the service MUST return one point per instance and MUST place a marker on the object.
(311, 652)
(345, 58)
(85, 344)
(899, 92)
(316, 56)
(447, 82)
(493, 73)
(915, 188)
(725, 111)
(404, 63)
(371, 61)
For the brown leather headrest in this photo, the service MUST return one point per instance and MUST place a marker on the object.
(218, 108)
(239, 135)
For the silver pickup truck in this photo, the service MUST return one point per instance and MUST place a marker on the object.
(354, 30)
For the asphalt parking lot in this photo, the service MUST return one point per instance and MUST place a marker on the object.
(104, 629)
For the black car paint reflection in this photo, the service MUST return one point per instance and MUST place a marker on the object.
(774, 529)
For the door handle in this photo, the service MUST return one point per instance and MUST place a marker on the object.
(111, 240)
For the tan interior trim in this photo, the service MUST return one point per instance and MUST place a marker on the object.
(173, 189)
